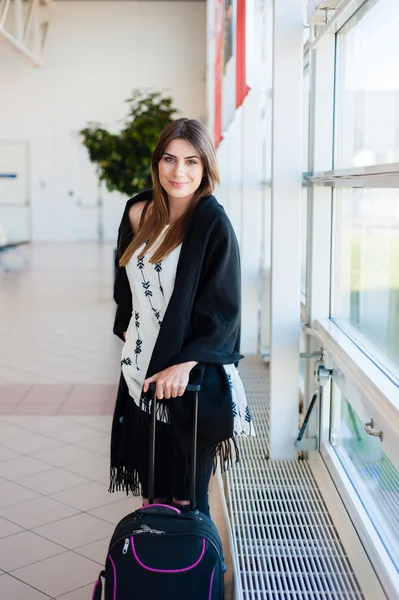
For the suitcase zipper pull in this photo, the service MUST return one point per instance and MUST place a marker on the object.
(149, 530)
(146, 529)
(126, 546)
(157, 532)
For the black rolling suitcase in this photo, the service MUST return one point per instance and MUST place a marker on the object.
(159, 553)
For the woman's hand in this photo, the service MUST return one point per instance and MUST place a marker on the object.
(171, 382)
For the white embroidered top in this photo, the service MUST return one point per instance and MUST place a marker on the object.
(152, 287)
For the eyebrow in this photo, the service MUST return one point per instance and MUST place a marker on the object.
(185, 158)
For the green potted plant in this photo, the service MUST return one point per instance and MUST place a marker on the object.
(124, 159)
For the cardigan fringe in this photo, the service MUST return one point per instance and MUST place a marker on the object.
(123, 479)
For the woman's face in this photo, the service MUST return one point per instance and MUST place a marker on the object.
(180, 170)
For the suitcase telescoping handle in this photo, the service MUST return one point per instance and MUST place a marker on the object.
(192, 387)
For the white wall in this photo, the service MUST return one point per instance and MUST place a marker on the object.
(97, 54)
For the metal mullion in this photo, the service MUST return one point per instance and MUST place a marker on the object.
(346, 579)
(386, 169)
(361, 182)
(306, 530)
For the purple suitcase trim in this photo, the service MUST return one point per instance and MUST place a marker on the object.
(163, 506)
(114, 569)
(94, 589)
(171, 570)
(211, 585)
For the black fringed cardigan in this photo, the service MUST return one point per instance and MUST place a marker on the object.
(201, 323)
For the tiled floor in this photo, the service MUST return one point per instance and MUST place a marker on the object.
(57, 399)
(56, 320)
(56, 515)
(59, 368)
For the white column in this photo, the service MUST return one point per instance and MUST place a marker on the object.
(286, 218)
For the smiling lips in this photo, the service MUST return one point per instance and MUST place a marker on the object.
(177, 184)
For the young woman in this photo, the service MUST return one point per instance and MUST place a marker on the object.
(178, 296)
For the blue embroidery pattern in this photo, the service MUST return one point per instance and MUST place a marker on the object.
(157, 316)
(248, 417)
(158, 269)
(137, 349)
(139, 342)
(147, 288)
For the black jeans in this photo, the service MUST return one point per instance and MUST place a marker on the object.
(172, 479)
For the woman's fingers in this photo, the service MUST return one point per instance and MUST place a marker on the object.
(181, 389)
(170, 389)
(175, 388)
(160, 389)
(170, 383)
(146, 384)
(167, 389)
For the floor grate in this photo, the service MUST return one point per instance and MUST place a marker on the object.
(286, 544)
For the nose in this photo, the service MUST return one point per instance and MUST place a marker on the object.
(179, 171)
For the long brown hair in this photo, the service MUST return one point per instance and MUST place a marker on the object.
(155, 220)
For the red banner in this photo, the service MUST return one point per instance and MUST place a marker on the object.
(241, 72)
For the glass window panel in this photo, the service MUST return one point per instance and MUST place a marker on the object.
(367, 101)
(372, 474)
(366, 271)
